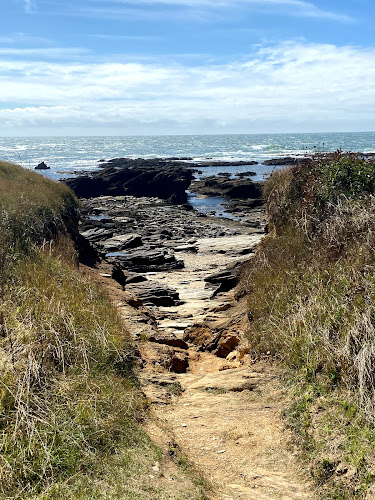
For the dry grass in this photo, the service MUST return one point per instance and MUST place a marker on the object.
(311, 299)
(70, 402)
(68, 395)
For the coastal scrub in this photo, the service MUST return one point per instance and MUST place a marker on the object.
(311, 301)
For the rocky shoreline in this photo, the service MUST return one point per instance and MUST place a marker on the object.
(176, 266)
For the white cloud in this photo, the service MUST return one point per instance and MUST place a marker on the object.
(292, 7)
(292, 86)
(30, 6)
(48, 52)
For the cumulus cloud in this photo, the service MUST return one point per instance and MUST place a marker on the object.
(292, 86)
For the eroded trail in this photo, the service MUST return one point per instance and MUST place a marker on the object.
(221, 410)
(228, 424)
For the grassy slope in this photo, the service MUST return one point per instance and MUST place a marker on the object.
(69, 400)
(311, 298)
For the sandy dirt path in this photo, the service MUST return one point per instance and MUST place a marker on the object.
(228, 424)
(227, 420)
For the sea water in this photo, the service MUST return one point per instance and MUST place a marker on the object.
(74, 154)
(71, 155)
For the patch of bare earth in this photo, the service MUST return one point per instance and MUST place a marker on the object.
(228, 424)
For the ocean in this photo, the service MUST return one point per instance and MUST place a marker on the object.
(74, 154)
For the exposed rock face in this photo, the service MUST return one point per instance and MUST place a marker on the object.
(219, 163)
(121, 177)
(198, 334)
(171, 358)
(224, 280)
(227, 343)
(245, 174)
(122, 242)
(233, 188)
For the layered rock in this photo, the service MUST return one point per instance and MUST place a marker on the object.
(145, 261)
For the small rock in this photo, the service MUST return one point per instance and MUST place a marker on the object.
(42, 166)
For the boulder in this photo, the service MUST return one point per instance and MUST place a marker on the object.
(199, 334)
(97, 234)
(224, 280)
(42, 166)
(152, 293)
(171, 358)
(245, 174)
(223, 186)
(287, 160)
(227, 343)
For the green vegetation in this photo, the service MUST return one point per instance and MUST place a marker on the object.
(70, 404)
(311, 299)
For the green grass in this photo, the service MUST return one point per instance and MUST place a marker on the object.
(311, 300)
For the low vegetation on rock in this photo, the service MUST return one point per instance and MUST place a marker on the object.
(311, 303)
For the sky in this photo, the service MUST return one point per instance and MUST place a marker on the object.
(154, 67)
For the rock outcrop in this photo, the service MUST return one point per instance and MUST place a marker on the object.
(232, 188)
(42, 166)
(119, 177)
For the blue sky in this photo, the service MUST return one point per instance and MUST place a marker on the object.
(133, 67)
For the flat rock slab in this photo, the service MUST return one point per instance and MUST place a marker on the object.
(145, 261)
(121, 242)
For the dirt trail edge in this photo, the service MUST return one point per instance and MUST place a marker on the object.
(224, 412)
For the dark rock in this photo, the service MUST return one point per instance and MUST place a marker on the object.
(97, 233)
(152, 293)
(219, 163)
(134, 278)
(42, 166)
(119, 276)
(146, 261)
(225, 280)
(222, 186)
(121, 176)
(288, 160)
(245, 174)
(121, 242)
